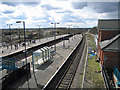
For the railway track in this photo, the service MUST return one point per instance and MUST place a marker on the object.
(20, 55)
(63, 79)
(15, 75)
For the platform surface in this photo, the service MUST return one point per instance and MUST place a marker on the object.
(44, 72)
(20, 48)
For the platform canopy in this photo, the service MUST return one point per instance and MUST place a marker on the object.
(37, 53)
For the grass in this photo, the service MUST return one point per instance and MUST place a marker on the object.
(80, 80)
(93, 73)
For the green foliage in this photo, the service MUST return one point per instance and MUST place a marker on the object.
(94, 30)
(52, 32)
(93, 74)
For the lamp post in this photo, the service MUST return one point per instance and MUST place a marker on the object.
(19, 35)
(74, 32)
(39, 32)
(24, 38)
(2, 40)
(69, 28)
(10, 34)
(55, 34)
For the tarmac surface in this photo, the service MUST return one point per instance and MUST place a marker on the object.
(44, 72)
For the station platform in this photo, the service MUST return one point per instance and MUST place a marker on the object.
(9, 51)
(44, 72)
(20, 48)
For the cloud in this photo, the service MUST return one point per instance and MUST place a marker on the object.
(64, 11)
(20, 3)
(71, 18)
(10, 3)
(79, 5)
(8, 12)
(102, 7)
(84, 14)
(20, 17)
(49, 7)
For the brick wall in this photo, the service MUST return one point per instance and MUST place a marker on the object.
(112, 58)
(104, 35)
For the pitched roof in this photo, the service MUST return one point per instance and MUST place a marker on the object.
(112, 44)
(109, 24)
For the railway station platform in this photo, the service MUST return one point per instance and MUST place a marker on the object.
(44, 72)
(20, 48)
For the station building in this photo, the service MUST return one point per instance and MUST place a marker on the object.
(109, 42)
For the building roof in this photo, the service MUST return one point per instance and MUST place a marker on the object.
(111, 45)
(109, 24)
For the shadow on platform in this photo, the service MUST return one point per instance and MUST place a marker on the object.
(45, 65)
(16, 78)
(20, 82)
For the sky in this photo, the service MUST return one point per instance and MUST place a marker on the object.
(73, 13)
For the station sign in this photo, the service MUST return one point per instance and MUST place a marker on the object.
(8, 64)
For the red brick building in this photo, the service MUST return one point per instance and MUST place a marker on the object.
(108, 42)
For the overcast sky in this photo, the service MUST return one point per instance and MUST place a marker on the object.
(66, 12)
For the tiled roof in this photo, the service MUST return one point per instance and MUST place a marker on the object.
(109, 24)
(112, 44)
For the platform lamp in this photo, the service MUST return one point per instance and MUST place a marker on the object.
(55, 34)
(10, 34)
(74, 31)
(24, 38)
(39, 32)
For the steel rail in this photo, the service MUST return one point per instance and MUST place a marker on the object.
(65, 75)
(67, 78)
(30, 50)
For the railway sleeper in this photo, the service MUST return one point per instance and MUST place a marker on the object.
(70, 72)
(72, 66)
(63, 86)
(67, 78)
(64, 80)
(66, 83)
(68, 75)
(75, 63)
(71, 69)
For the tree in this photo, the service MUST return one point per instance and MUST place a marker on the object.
(94, 30)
